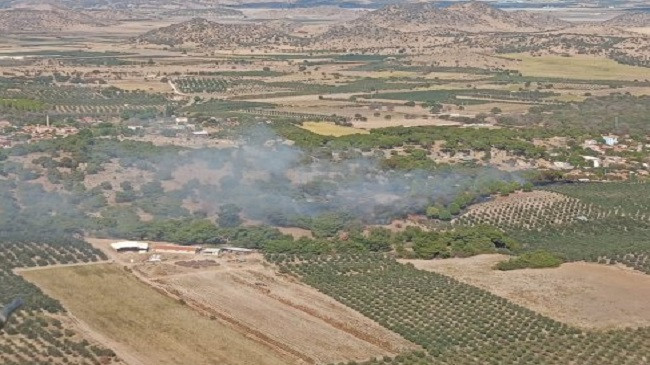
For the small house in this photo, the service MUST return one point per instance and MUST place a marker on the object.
(610, 140)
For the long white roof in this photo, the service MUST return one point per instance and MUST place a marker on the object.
(122, 245)
(237, 249)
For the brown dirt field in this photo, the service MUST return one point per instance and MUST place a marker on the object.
(296, 232)
(280, 311)
(149, 326)
(581, 294)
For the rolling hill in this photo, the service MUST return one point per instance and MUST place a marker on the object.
(630, 20)
(207, 33)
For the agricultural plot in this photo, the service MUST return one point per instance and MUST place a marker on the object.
(201, 85)
(456, 323)
(586, 295)
(288, 316)
(42, 332)
(87, 101)
(605, 223)
(440, 96)
(147, 325)
(577, 67)
(611, 240)
(467, 96)
(535, 210)
(364, 85)
(626, 199)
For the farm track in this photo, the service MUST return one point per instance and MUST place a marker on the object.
(18, 270)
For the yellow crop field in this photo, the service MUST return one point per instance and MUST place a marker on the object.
(578, 67)
(331, 129)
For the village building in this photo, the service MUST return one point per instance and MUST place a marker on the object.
(200, 133)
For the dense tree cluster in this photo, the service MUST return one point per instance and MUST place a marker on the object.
(457, 242)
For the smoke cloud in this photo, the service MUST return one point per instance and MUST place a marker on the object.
(274, 181)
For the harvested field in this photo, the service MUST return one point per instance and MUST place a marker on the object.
(149, 326)
(331, 129)
(582, 294)
(275, 309)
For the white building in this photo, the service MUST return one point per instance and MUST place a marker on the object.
(130, 246)
(219, 251)
(611, 140)
(594, 160)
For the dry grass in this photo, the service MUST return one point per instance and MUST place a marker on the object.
(154, 327)
(578, 67)
(582, 294)
(331, 129)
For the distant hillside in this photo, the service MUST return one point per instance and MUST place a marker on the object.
(630, 20)
(205, 12)
(207, 33)
(471, 16)
(21, 20)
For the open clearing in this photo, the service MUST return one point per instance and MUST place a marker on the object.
(286, 314)
(154, 328)
(331, 129)
(581, 294)
(578, 67)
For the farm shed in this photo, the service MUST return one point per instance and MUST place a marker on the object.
(136, 246)
(176, 249)
(211, 251)
(237, 250)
